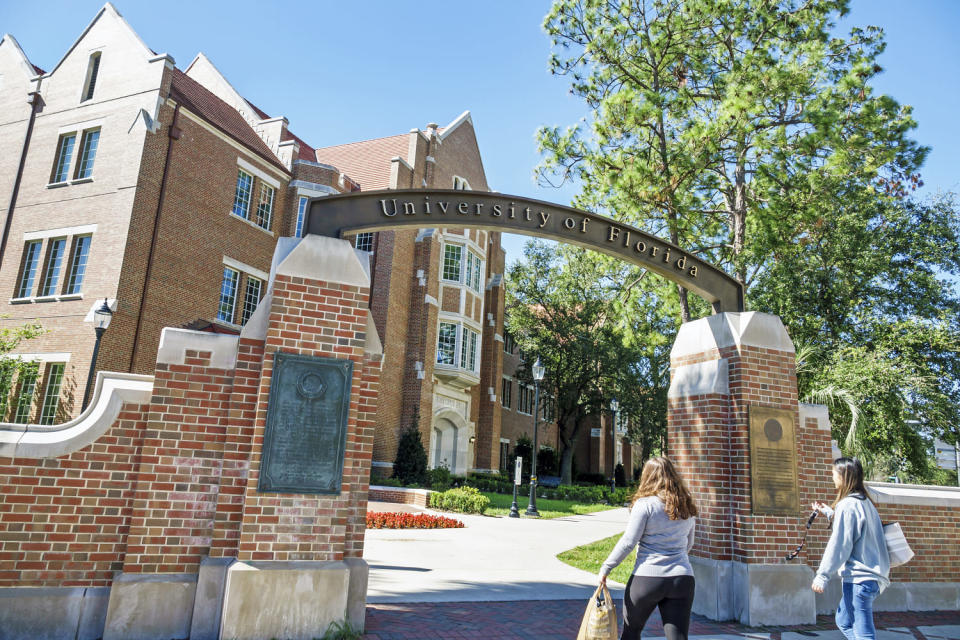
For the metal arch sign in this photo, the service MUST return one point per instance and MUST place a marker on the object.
(389, 209)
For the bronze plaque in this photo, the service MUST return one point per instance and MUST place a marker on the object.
(773, 462)
(306, 432)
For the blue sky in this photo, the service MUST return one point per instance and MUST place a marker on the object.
(342, 72)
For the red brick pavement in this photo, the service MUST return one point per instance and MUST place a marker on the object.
(560, 619)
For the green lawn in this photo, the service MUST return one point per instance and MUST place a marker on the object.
(589, 557)
(500, 506)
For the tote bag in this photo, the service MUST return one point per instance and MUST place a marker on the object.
(897, 546)
(600, 618)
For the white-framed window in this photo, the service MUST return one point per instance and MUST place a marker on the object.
(447, 343)
(28, 387)
(88, 151)
(461, 184)
(228, 295)
(468, 349)
(61, 166)
(28, 273)
(241, 289)
(51, 395)
(301, 215)
(458, 346)
(93, 68)
(452, 259)
(51, 271)
(364, 241)
(80, 162)
(265, 206)
(241, 198)
(473, 275)
(251, 298)
(506, 393)
(462, 265)
(78, 264)
(525, 400)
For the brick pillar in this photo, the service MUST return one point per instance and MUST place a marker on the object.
(299, 566)
(720, 367)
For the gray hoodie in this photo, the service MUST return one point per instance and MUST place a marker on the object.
(857, 549)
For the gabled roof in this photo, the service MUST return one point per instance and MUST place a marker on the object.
(201, 101)
(29, 69)
(367, 162)
(107, 8)
(306, 151)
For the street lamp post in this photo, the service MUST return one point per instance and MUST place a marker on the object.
(101, 320)
(614, 407)
(538, 371)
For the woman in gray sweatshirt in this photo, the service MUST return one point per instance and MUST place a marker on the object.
(857, 551)
(661, 528)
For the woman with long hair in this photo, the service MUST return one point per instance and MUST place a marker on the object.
(661, 528)
(857, 551)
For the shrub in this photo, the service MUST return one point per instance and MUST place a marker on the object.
(440, 478)
(410, 466)
(384, 520)
(592, 478)
(547, 462)
(461, 500)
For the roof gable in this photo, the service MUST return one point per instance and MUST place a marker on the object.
(10, 48)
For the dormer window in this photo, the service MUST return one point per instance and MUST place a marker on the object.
(91, 84)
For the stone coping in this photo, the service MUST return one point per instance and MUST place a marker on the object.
(914, 494)
(111, 392)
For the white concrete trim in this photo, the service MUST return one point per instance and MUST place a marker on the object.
(463, 117)
(750, 328)
(401, 161)
(321, 165)
(327, 259)
(820, 412)
(700, 378)
(256, 326)
(242, 266)
(314, 188)
(79, 230)
(914, 494)
(41, 357)
(257, 171)
(97, 301)
(111, 392)
(80, 126)
(372, 345)
(174, 344)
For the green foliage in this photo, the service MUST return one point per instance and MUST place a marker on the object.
(571, 309)
(14, 369)
(342, 630)
(461, 500)
(749, 133)
(440, 478)
(546, 462)
(410, 466)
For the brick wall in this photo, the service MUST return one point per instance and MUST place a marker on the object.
(64, 521)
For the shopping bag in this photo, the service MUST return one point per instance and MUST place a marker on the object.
(897, 545)
(600, 618)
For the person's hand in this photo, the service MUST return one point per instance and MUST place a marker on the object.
(603, 581)
(818, 506)
(817, 587)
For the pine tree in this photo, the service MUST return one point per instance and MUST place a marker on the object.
(410, 466)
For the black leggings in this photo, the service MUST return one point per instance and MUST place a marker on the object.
(673, 595)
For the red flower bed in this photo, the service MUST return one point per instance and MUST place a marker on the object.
(377, 520)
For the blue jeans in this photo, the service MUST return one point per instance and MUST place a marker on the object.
(855, 611)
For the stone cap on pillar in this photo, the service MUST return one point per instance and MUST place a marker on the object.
(749, 328)
(323, 258)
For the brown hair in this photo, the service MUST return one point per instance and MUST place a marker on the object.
(851, 479)
(660, 478)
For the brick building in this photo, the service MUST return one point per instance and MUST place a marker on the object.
(164, 191)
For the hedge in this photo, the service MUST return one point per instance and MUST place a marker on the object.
(461, 500)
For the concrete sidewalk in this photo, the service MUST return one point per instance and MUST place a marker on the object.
(491, 559)
(499, 579)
